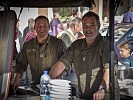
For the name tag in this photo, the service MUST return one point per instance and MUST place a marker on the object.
(41, 55)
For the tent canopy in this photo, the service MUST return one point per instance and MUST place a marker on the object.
(47, 3)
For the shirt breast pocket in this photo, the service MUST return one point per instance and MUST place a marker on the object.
(77, 55)
(31, 54)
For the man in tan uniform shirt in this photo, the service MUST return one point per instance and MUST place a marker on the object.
(90, 57)
(41, 53)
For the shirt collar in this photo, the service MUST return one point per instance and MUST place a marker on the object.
(47, 41)
(96, 41)
(70, 31)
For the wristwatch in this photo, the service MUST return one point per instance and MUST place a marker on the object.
(102, 88)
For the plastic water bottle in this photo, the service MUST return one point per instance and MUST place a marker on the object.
(44, 88)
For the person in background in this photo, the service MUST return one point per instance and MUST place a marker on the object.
(31, 34)
(69, 35)
(54, 24)
(90, 57)
(18, 40)
(80, 35)
(126, 59)
(128, 16)
(41, 53)
(18, 44)
(62, 26)
(31, 21)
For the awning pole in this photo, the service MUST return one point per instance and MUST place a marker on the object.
(111, 35)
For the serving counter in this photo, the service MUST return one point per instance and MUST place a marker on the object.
(31, 98)
(126, 89)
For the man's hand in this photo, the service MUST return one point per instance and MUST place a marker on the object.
(16, 81)
(99, 95)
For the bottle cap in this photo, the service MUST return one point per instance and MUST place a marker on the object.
(45, 72)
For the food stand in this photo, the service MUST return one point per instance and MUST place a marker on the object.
(61, 3)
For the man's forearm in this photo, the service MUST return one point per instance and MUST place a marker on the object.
(57, 69)
(105, 81)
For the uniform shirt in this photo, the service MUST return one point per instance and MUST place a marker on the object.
(89, 62)
(40, 57)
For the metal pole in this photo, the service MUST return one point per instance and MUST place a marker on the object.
(111, 35)
(100, 9)
(79, 12)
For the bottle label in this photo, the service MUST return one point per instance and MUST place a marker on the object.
(46, 97)
(42, 98)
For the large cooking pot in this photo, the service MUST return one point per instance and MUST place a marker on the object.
(125, 73)
(24, 93)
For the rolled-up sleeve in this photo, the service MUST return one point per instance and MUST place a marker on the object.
(105, 55)
(67, 58)
(61, 48)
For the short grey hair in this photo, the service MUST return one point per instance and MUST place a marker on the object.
(76, 20)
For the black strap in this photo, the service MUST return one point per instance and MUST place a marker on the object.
(20, 12)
